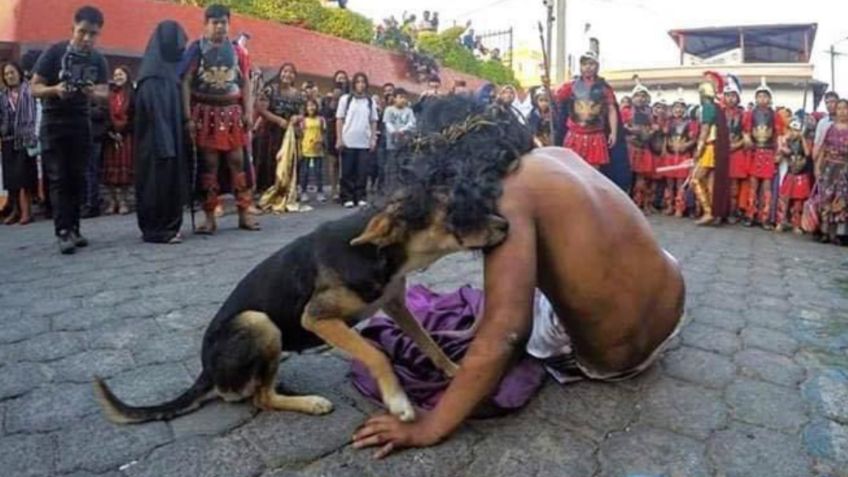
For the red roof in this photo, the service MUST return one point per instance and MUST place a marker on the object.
(129, 24)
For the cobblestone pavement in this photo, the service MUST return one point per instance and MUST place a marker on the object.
(756, 386)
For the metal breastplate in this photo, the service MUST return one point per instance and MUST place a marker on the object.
(734, 124)
(218, 72)
(797, 158)
(762, 128)
(678, 134)
(642, 124)
(587, 104)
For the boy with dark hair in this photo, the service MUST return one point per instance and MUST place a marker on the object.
(67, 77)
(399, 121)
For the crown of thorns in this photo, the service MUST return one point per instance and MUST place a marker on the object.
(452, 133)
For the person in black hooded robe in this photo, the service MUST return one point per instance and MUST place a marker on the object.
(161, 168)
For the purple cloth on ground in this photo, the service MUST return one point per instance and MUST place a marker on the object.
(445, 317)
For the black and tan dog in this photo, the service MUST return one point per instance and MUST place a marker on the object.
(309, 292)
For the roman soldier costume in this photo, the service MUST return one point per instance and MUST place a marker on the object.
(588, 101)
(796, 186)
(682, 135)
(219, 75)
(763, 126)
(712, 153)
(740, 158)
(639, 135)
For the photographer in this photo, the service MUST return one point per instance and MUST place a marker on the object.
(68, 76)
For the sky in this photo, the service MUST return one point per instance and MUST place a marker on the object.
(633, 33)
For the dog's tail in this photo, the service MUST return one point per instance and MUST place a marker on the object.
(121, 413)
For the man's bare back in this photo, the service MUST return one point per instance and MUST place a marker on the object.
(617, 292)
(577, 237)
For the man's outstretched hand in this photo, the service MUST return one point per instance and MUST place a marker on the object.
(390, 434)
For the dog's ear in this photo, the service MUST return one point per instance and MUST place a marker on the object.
(382, 230)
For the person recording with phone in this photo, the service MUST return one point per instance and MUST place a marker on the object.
(67, 77)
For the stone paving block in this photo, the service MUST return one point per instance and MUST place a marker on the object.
(768, 318)
(710, 338)
(26, 326)
(228, 456)
(27, 455)
(19, 378)
(98, 445)
(50, 407)
(727, 320)
(827, 393)
(82, 367)
(775, 368)
(81, 319)
(150, 384)
(769, 303)
(683, 408)
(723, 301)
(767, 405)
(699, 367)
(601, 406)
(747, 451)
(52, 306)
(769, 340)
(449, 459)
(828, 440)
(167, 347)
(652, 452)
(122, 334)
(195, 318)
(44, 347)
(524, 447)
(212, 419)
(290, 439)
(110, 297)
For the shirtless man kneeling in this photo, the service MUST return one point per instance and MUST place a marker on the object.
(579, 239)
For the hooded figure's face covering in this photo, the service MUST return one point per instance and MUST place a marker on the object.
(164, 51)
(172, 41)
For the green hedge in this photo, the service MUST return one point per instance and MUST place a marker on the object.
(303, 13)
(309, 14)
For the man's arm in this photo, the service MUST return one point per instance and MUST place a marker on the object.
(186, 87)
(40, 89)
(510, 281)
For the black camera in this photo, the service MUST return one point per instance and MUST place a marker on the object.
(77, 71)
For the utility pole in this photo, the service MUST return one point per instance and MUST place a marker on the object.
(549, 29)
(833, 67)
(561, 50)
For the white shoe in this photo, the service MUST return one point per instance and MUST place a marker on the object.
(304, 198)
(348, 204)
(321, 198)
(362, 203)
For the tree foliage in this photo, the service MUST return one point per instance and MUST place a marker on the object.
(446, 47)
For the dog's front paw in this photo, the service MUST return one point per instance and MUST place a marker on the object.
(319, 405)
(400, 406)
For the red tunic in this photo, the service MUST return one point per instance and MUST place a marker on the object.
(796, 186)
(220, 124)
(675, 159)
(118, 151)
(762, 165)
(589, 142)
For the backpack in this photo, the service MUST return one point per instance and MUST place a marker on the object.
(349, 102)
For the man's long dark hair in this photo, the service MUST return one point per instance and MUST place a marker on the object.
(463, 149)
